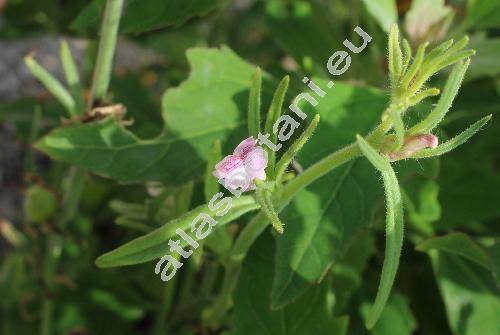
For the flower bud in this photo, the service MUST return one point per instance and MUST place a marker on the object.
(414, 144)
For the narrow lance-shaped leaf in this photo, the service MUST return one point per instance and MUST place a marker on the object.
(254, 104)
(445, 101)
(437, 51)
(155, 244)
(455, 141)
(52, 84)
(394, 229)
(407, 55)
(415, 65)
(72, 76)
(287, 157)
(432, 65)
(458, 46)
(457, 57)
(395, 55)
(273, 115)
(435, 57)
(430, 92)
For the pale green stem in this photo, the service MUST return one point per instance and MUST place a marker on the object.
(106, 51)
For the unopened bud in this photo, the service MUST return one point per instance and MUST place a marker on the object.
(414, 144)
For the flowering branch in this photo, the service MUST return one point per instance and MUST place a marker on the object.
(407, 80)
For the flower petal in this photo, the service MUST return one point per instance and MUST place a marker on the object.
(238, 179)
(245, 147)
(227, 165)
(255, 163)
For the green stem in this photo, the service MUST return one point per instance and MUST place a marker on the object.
(106, 51)
(209, 279)
(213, 315)
(73, 188)
(51, 260)
(47, 309)
(29, 165)
(160, 326)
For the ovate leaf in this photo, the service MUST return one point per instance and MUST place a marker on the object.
(422, 205)
(348, 273)
(310, 315)
(320, 223)
(146, 15)
(457, 244)
(209, 105)
(470, 296)
(470, 181)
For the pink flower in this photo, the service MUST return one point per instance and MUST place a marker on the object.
(239, 170)
(414, 144)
